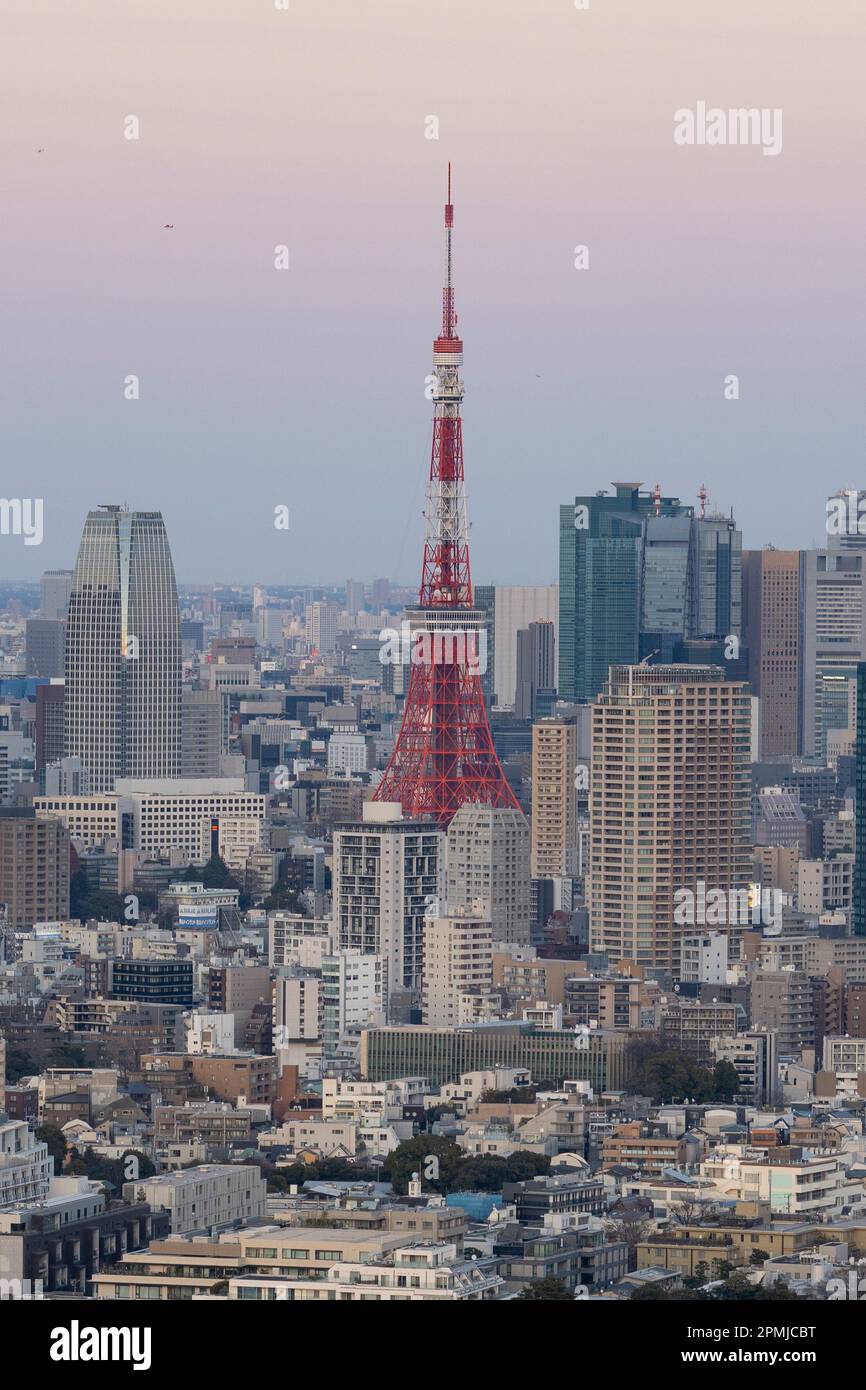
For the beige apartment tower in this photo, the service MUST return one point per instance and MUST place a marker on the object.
(669, 804)
(554, 798)
(34, 869)
(458, 960)
(772, 633)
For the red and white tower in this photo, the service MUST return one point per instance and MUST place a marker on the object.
(444, 756)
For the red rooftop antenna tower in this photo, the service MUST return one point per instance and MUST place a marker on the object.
(444, 755)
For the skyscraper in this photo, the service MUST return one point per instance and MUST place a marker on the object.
(518, 605)
(834, 639)
(639, 575)
(123, 654)
(669, 805)
(554, 798)
(536, 669)
(772, 632)
(55, 587)
(601, 541)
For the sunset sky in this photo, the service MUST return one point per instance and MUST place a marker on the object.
(305, 387)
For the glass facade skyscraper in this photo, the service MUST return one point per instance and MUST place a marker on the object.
(123, 651)
(638, 574)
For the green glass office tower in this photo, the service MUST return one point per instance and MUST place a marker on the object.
(639, 574)
(601, 545)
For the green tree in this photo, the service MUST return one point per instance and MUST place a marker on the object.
(411, 1157)
(53, 1136)
(550, 1290)
(726, 1082)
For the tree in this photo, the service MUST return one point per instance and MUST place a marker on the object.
(53, 1136)
(726, 1082)
(631, 1230)
(550, 1290)
(411, 1157)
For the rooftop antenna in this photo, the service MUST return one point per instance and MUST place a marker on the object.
(703, 496)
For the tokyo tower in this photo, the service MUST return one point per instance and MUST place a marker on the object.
(444, 755)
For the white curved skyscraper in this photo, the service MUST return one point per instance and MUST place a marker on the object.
(123, 652)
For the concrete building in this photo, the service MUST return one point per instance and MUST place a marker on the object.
(554, 798)
(704, 959)
(25, 1167)
(825, 885)
(772, 633)
(55, 587)
(753, 1056)
(488, 855)
(783, 1002)
(834, 640)
(34, 867)
(211, 1195)
(515, 607)
(45, 642)
(458, 960)
(446, 1054)
(669, 804)
(203, 733)
(536, 669)
(182, 814)
(387, 873)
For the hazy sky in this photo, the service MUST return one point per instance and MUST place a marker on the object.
(305, 387)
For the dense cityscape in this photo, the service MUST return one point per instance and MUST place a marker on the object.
(420, 937)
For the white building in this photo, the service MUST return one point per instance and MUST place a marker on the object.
(488, 864)
(347, 753)
(178, 813)
(209, 1032)
(458, 960)
(212, 1194)
(824, 885)
(297, 940)
(704, 958)
(25, 1167)
(386, 874)
(516, 606)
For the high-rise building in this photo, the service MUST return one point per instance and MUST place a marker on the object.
(772, 632)
(639, 574)
(458, 961)
(45, 642)
(554, 798)
(34, 868)
(123, 660)
(387, 874)
(55, 587)
(49, 724)
(858, 908)
(536, 669)
(600, 562)
(488, 864)
(321, 621)
(203, 733)
(834, 640)
(356, 595)
(516, 607)
(669, 806)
